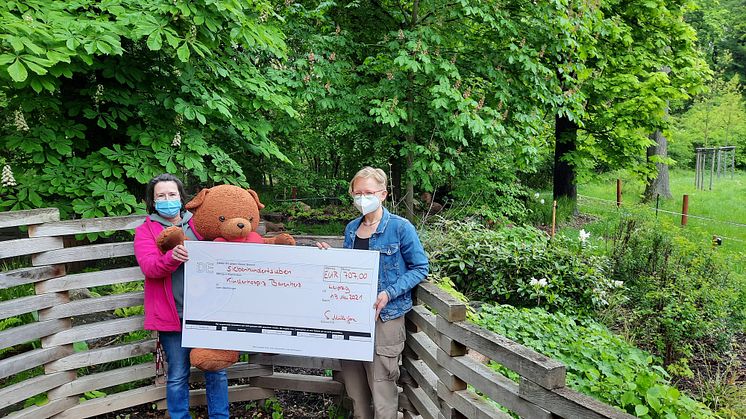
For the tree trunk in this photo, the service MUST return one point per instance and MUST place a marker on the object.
(565, 138)
(660, 183)
(395, 181)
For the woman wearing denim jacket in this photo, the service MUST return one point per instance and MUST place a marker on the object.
(164, 295)
(403, 265)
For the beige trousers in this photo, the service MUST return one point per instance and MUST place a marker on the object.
(376, 381)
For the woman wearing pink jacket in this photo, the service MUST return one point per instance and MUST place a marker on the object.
(164, 294)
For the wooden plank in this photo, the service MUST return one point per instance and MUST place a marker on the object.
(446, 305)
(423, 376)
(31, 331)
(19, 247)
(86, 225)
(237, 370)
(305, 240)
(528, 363)
(25, 276)
(81, 253)
(102, 355)
(114, 402)
(470, 405)
(28, 388)
(424, 319)
(90, 279)
(296, 361)
(103, 380)
(425, 348)
(94, 330)
(421, 402)
(237, 393)
(31, 359)
(492, 384)
(24, 305)
(93, 305)
(299, 382)
(27, 217)
(568, 403)
(46, 411)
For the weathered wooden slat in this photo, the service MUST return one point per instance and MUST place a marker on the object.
(93, 305)
(81, 253)
(25, 276)
(31, 359)
(411, 415)
(86, 225)
(447, 306)
(421, 402)
(46, 411)
(103, 380)
(528, 363)
(90, 279)
(237, 370)
(19, 247)
(492, 384)
(26, 217)
(33, 386)
(102, 355)
(424, 319)
(568, 403)
(235, 394)
(299, 382)
(423, 376)
(94, 330)
(31, 331)
(470, 405)
(24, 305)
(296, 361)
(304, 240)
(451, 381)
(114, 402)
(425, 348)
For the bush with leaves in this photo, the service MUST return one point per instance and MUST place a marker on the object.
(520, 266)
(598, 363)
(102, 97)
(679, 293)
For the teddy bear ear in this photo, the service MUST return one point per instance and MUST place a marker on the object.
(256, 198)
(197, 200)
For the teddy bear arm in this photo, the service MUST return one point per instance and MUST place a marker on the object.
(169, 238)
(282, 238)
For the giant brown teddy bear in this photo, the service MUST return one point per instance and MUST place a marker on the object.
(221, 213)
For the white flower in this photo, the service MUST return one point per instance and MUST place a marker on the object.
(538, 282)
(618, 284)
(543, 282)
(536, 195)
(542, 201)
(534, 281)
(176, 142)
(7, 177)
(584, 235)
(20, 121)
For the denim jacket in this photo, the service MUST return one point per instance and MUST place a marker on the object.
(403, 262)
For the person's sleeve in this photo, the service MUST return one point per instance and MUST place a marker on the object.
(152, 262)
(415, 261)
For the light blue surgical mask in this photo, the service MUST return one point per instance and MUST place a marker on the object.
(168, 209)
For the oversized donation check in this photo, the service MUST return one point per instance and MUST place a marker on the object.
(280, 299)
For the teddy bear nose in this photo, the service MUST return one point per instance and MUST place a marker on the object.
(240, 225)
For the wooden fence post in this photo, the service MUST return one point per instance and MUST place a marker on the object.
(684, 210)
(554, 217)
(618, 193)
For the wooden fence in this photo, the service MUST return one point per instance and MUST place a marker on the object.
(41, 357)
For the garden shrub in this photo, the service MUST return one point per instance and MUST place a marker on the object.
(679, 294)
(519, 266)
(598, 363)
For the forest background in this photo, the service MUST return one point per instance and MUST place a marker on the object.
(481, 104)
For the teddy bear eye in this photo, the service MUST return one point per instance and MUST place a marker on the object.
(221, 218)
(251, 219)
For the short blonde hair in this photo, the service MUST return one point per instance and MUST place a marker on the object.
(369, 172)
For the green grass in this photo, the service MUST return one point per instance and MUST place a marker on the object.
(721, 208)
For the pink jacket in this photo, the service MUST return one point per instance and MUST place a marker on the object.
(160, 308)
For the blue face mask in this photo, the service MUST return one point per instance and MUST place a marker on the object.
(168, 209)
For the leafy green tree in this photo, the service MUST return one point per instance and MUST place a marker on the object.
(106, 95)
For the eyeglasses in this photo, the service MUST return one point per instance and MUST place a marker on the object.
(359, 194)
